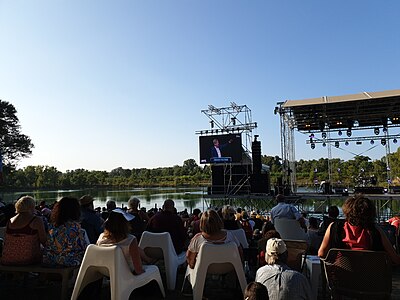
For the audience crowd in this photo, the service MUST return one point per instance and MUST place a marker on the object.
(58, 234)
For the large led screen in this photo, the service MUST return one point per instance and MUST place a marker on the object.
(226, 148)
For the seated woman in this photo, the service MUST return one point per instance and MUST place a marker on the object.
(210, 232)
(66, 243)
(116, 232)
(268, 231)
(25, 234)
(229, 219)
(358, 231)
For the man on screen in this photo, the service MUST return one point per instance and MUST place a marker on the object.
(217, 147)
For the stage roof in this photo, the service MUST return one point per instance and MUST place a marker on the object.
(363, 110)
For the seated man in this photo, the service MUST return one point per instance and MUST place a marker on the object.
(167, 220)
(283, 210)
(282, 283)
(90, 221)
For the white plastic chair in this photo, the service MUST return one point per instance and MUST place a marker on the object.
(241, 236)
(290, 229)
(110, 261)
(163, 241)
(219, 256)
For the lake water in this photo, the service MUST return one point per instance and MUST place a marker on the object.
(188, 198)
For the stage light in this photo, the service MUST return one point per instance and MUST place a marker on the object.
(348, 132)
(339, 123)
(384, 129)
(359, 143)
(383, 142)
(346, 143)
(394, 141)
(376, 130)
(372, 142)
(311, 135)
(356, 123)
(312, 146)
(337, 144)
(324, 135)
(323, 144)
(395, 120)
(212, 124)
(206, 132)
(339, 133)
(233, 121)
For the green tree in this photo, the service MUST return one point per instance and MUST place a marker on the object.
(13, 144)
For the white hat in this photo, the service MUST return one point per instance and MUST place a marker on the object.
(275, 246)
(126, 215)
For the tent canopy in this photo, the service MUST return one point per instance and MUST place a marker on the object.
(363, 110)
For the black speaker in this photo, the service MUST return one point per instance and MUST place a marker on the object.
(256, 152)
(217, 180)
(260, 184)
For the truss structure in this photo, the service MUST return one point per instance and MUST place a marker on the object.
(332, 121)
(228, 120)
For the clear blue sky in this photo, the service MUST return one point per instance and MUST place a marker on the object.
(103, 84)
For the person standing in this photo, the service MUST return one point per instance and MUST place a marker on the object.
(217, 147)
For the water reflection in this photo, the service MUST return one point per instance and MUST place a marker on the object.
(188, 198)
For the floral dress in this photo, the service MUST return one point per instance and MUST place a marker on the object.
(66, 245)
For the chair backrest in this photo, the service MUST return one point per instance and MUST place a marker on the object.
(358, 273)
(104, 261)
(220, 259)
(290, 229)
(241, 236)
(163, 241)
(297, 251)
(160, 246)
(390, 232)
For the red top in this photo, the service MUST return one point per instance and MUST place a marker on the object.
(357, 238)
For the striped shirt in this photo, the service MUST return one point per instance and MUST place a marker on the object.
(283, 283)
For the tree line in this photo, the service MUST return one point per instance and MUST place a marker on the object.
(355, 172)
(15, 146)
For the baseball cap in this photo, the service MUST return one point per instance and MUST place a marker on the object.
(275, 246)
